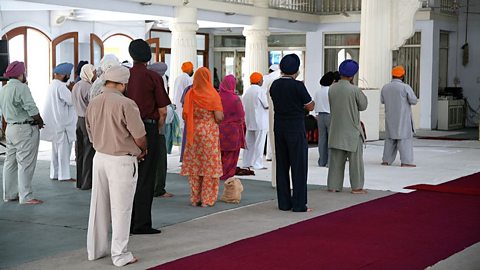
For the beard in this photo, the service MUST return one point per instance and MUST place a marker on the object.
(65, 79)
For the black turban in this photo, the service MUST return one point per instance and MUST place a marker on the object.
(327, 79)
(140, 50)
(290, 64)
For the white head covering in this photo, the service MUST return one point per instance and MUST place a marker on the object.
(108, 61)
(119, 74)
(274, 67)
(87, 72)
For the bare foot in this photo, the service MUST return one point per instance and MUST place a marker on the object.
(134, 260)
(195, 204)
(33, 201)
(167, 195)
(69, 180)
(408, 165)
(385, 163)
(309, 210)
(333, 190)
(359, 191)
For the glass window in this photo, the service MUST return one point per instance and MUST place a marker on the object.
(339, 47)
(165, 38)
(443, 60)
(39, 65)
(229, 41)
(201, 43)
(342, 40)
(16, 48)
(118, 45)
(409, 57)
(290, 40)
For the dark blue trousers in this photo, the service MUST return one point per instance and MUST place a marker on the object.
(291, 152)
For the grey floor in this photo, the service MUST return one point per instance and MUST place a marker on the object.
(60, 224)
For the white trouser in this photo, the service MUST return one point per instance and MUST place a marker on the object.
(114, 182)
(20, 161)
(253, 155)
(60, 164)
(269, 146)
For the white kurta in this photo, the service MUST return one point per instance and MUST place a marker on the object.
(255, 103)
(267, 82)
(60, 124)
(181, 82)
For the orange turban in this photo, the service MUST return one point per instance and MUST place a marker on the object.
(398, 71)
(256, 77)
(187, 67)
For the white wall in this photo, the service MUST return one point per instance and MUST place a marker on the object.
(41, 21)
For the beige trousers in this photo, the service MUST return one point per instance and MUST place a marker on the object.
(114, 183)
(20, 162)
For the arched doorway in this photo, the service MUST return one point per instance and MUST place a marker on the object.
(32, 46)
(117, 44)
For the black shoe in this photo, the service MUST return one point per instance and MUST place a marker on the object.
(148, 231)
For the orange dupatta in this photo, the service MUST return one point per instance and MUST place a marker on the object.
(202, 95)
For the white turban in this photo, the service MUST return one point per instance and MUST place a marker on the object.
(108, 61)
(87, 72)
(119, 74)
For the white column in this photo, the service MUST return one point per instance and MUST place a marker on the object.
(385, 25)
(184, 42)
(256, 44)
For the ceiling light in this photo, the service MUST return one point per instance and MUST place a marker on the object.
(230, 13)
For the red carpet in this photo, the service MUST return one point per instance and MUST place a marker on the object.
(443, 138)
(402, 231)
(467, 185)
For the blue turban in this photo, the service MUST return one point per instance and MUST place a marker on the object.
(348, 68)
(63, 69)
(289, 64)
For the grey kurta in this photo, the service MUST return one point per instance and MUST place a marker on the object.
(398, 98)
(346, 101)
(346, 135)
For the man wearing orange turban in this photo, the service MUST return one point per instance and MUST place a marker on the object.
(182, 82)
(398, 98)
(255, 103)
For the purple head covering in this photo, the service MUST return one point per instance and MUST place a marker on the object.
(348, 68)
(231, 103)
(14, 70)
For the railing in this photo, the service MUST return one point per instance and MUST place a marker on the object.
(305, 6)
(443, 6)
(242, 2)
(339, 6)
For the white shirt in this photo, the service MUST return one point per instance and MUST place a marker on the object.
(321, 100)
(59, 113)
(181, 82)
(255, 103)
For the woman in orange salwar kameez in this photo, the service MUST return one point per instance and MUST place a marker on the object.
(202, 161)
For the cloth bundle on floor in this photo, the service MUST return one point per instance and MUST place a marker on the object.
(232, 192)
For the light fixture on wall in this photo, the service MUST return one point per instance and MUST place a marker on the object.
(292, 21)
(230, 13)
(145, 3)
(59, 17)
(185, 2)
